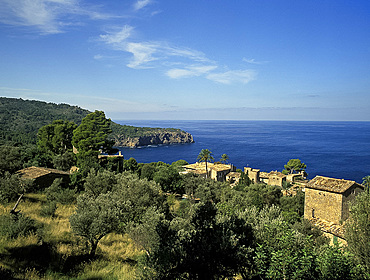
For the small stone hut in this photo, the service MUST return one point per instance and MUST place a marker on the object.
(43, 177)
(328, 198)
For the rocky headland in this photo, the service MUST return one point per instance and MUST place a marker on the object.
(157, 137)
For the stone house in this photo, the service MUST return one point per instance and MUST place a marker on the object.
(233, 177)
(328, 198)
(327, 204)
(216, 171)
(43, 177)
(253, 174)
(273, 178)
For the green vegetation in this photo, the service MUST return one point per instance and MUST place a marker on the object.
(126, 131)
(294, 166)
(120, 219)
(206, 156)
(20, 121)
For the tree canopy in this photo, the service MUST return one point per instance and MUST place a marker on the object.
(206, 156)
(294, 166)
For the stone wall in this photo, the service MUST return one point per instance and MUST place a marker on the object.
(253, 174)
(324, 205)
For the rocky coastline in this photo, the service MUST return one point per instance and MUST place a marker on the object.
(160, 138)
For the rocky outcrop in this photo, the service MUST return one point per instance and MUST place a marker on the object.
(160, 138)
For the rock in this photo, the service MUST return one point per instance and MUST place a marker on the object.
(161, 138)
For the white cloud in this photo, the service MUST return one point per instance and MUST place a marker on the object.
(48, 16)
(240, 76)
(141, 4)
(191, 71)
(116, 38)
(142, 54)
(253, 61)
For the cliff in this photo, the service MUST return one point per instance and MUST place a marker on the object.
(163, 137)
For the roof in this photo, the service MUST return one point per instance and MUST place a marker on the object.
(234, 174)
(34, 172)
(276, 173)
(331, 184)
(329, 227)
(202, 166)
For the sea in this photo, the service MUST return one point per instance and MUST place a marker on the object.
(333, 149)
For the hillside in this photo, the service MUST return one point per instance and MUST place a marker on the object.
(21, 119)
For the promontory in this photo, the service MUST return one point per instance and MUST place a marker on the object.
(21, 119)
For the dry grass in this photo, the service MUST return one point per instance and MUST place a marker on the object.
(116, 253)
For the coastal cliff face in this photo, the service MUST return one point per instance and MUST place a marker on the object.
(161, 138)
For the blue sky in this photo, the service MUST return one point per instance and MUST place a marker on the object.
(181, 59)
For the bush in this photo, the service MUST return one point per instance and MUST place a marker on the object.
(48, 209)
(13, 226)
(11, 186)
(59, 194)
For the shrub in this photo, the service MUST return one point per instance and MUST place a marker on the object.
(48, 209)
(59, 194)
(13, 226)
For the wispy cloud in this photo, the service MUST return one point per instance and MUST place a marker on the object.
(47, 16)
(116, 38)
(228, 77)
(141, 4)
(190, 71)
(159, 54)
(253, 61)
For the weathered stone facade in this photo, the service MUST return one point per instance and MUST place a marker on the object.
(253, 174)
(328, 198)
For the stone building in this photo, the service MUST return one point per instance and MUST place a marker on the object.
(43, 177)
(253, 174)
(216, 171)
(328, 198)
(273, 178)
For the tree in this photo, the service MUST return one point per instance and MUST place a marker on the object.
(357, 230)
(366, 182)
(224, 158)
(334, 263)
(200, 246)
(55, 144)
(56, 138)
(205, 155)
(91, 137)
(96, 217)
(167, 178)
(294, 166)
(10, 159)
(99, 182)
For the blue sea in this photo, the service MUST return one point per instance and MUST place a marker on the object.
(334, 149)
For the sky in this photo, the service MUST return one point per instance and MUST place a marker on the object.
(191, 60)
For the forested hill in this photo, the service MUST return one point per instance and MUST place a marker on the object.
(21, 119)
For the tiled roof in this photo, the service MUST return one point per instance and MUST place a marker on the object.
(276, 173)
(202, 165)
(34, 172)
(330, 184)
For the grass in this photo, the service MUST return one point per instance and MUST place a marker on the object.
(56, 253)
